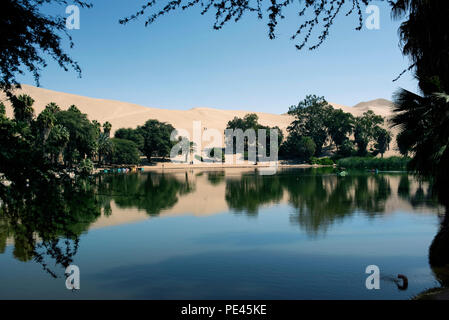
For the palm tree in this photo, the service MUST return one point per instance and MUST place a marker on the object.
(23, 110)
(104, 146)
(107, 128)
(423, 118)
(424, 37)
(46, 120)
(424, 132)
(57, 140)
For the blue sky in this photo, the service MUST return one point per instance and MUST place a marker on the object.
(180, 62)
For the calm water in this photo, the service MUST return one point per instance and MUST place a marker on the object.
(299, 234)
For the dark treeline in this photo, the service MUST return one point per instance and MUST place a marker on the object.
(320, 129)
(152, 139)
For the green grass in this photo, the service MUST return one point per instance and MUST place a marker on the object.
(391, 163)
(322, 161)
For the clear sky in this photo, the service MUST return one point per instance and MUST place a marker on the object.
(180, 62)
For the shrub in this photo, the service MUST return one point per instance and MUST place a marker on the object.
(124, 152)
(322, 161)
(391, 163)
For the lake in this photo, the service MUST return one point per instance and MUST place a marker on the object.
(224, 234)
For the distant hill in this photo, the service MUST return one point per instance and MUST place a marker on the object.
(128, 115)
(382, 107)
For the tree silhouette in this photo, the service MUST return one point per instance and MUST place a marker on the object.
(315, 14)
(27, 36)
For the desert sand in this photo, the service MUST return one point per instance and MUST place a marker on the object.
(128, 115)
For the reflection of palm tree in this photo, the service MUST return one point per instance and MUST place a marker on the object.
(56, 213)
(152, 192)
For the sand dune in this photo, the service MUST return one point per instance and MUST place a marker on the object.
(128, 115)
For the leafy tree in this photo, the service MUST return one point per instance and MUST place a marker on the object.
(315, 14)
(83, 135)
(383, 139)
(28, 35)
(124, 152)
(251, 121)
(312, 117)
(134, 135)
(157, 139)
(339, 127)
(366, 127)
(346, 149)
(297, 147)
(57, 141)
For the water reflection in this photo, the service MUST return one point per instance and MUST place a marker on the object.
(151, 192)
(46, 224)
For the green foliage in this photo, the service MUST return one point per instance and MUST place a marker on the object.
(325, 161)
(32, 35)
(46, 220)
(2, 110)
(107, 128)
(251, 121)
(315, 17)
(85, 167)
(105, 147)
(46, 121)
(365, 130)
(297, 147)
(151, 192)
(383, 139)
(390, 163)
(57, 141)
(424, 125)
(312, 119)
(339, 126)
(83, 135)
(316, 119)
(156, 138)
(134, 135)
(346, 149)
(23, 108)
(123, 152)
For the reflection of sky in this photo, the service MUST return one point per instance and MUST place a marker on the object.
(235, 256)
